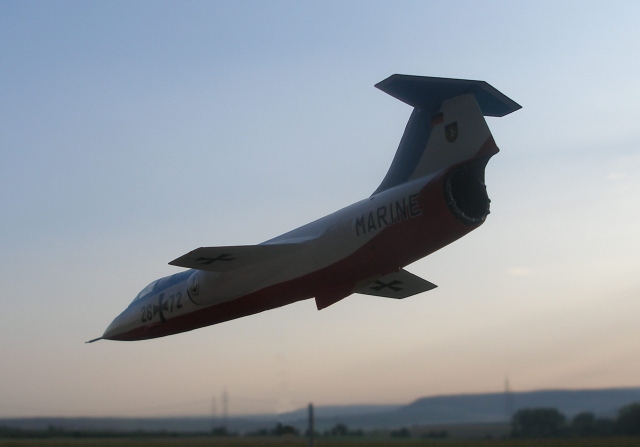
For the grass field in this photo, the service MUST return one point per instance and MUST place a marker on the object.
(300, 442)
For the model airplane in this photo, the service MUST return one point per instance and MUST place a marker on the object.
(433, 194)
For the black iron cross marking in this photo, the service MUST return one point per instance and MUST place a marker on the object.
(160, 307)
(393, 285)
(223, 257)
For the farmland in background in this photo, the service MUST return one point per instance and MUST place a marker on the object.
(300, 442)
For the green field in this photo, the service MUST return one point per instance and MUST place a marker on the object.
(300, 442)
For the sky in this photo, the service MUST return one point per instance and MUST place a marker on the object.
(134, 132)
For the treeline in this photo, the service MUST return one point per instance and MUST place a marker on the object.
(278, 430)
(56, 432)
(283, 430)
(549, 422)
(337, 431)
(525, 423)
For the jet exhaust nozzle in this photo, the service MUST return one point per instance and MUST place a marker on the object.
(466, 193)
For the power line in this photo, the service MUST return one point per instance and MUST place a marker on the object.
(225, 407)
(508, 399)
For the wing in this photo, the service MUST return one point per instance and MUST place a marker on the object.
(400, 284)
(224, 259)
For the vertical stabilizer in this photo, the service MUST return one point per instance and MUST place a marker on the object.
(447, 125)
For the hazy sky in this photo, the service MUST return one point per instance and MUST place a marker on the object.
(134, 132)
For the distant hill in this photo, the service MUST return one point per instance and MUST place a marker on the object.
(338, 411)
(436, 410)
(492, 407)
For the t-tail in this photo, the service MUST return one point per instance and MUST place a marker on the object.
(447, 126)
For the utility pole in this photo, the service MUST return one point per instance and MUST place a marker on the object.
(214, 412)
(508, 399)
(311, 426)
(225, 407)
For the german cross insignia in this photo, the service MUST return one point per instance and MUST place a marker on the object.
(451, 131)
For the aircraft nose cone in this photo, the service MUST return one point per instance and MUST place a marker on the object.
(116, 327)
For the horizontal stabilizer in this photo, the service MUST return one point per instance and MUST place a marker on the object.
(223, 259)
(398, 285)
(428, 93)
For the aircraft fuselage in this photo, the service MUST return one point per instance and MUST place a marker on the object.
(433, 194)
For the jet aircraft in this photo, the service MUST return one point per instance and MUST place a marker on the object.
(433, 193)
